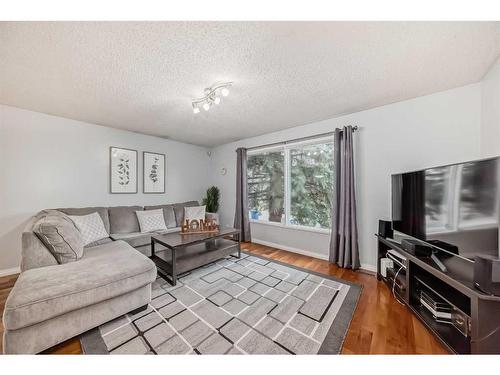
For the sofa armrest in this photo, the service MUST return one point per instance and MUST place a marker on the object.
(34, 254)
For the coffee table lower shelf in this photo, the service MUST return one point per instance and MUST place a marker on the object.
(176, 261)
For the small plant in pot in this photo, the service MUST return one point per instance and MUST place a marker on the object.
(211, 201)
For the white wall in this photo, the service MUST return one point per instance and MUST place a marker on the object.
(49, 162)
(436, 129)
(490, 114)
(54, 162)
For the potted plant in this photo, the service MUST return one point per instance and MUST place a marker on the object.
(211, 201)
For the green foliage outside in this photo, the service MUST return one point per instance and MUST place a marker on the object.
(266, 180)
(311, 178)
(311, 181)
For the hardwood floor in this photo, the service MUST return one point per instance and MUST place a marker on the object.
(380, 325)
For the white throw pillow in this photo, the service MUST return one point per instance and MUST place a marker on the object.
(151, 220)
(91, 227)
(194, 213)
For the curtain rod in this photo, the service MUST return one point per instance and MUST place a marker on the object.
(354, 128)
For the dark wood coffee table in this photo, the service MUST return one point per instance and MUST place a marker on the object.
(181, 253)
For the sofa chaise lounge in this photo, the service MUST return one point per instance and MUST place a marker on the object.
(51, 302)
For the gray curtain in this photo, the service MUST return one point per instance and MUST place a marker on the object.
(344, 237)
(241, 215)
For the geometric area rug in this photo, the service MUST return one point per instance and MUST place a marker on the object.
(250, 305)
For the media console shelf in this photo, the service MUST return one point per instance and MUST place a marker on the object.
(476, 315)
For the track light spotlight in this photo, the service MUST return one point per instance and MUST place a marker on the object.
(212, 95)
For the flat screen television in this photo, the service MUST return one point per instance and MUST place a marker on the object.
(453, 207)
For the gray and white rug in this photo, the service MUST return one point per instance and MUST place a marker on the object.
(250, 305)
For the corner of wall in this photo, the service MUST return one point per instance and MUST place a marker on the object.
(490, 112)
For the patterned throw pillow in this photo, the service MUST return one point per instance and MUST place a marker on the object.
(91, 227)
(151, 220)
(194, 213)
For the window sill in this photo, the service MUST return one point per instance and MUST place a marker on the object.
(292, 227)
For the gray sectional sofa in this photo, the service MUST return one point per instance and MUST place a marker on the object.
(53, 302)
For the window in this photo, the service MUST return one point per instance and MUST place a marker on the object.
(292, 184)
(266, 186)
(311, 180)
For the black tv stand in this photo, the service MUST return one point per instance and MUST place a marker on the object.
(480, 332)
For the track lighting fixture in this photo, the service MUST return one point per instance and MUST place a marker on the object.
(212, 96)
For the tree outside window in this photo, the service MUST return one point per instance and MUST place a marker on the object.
(292, 185)
(266, 192)
(311, 178)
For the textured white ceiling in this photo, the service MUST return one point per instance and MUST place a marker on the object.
(141, 76)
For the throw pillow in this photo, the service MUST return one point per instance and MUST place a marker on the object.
(151, 220)
(61, 237)
(168, 214)
(179, 211)
(91, 227)
(194, 213)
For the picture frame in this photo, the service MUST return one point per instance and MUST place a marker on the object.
(123, 170)
(154, 172)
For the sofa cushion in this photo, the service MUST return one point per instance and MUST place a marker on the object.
(179, 211)
(102, 211)
(144, 249)
(99, 242)
(46, 334)
(91, 227)
(60, 235)
(133, 239)
(137, 239)
(122, 219)
(104, 272)
(168, 214)
(151, 220)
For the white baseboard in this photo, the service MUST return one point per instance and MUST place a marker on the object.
(291, 249)
(10, 271)
(366, 267)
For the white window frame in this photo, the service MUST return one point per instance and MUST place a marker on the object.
(287, 183)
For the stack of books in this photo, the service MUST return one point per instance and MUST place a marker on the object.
(440, 310)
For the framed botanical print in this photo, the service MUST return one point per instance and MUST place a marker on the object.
(154, 171)
(123, 170)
